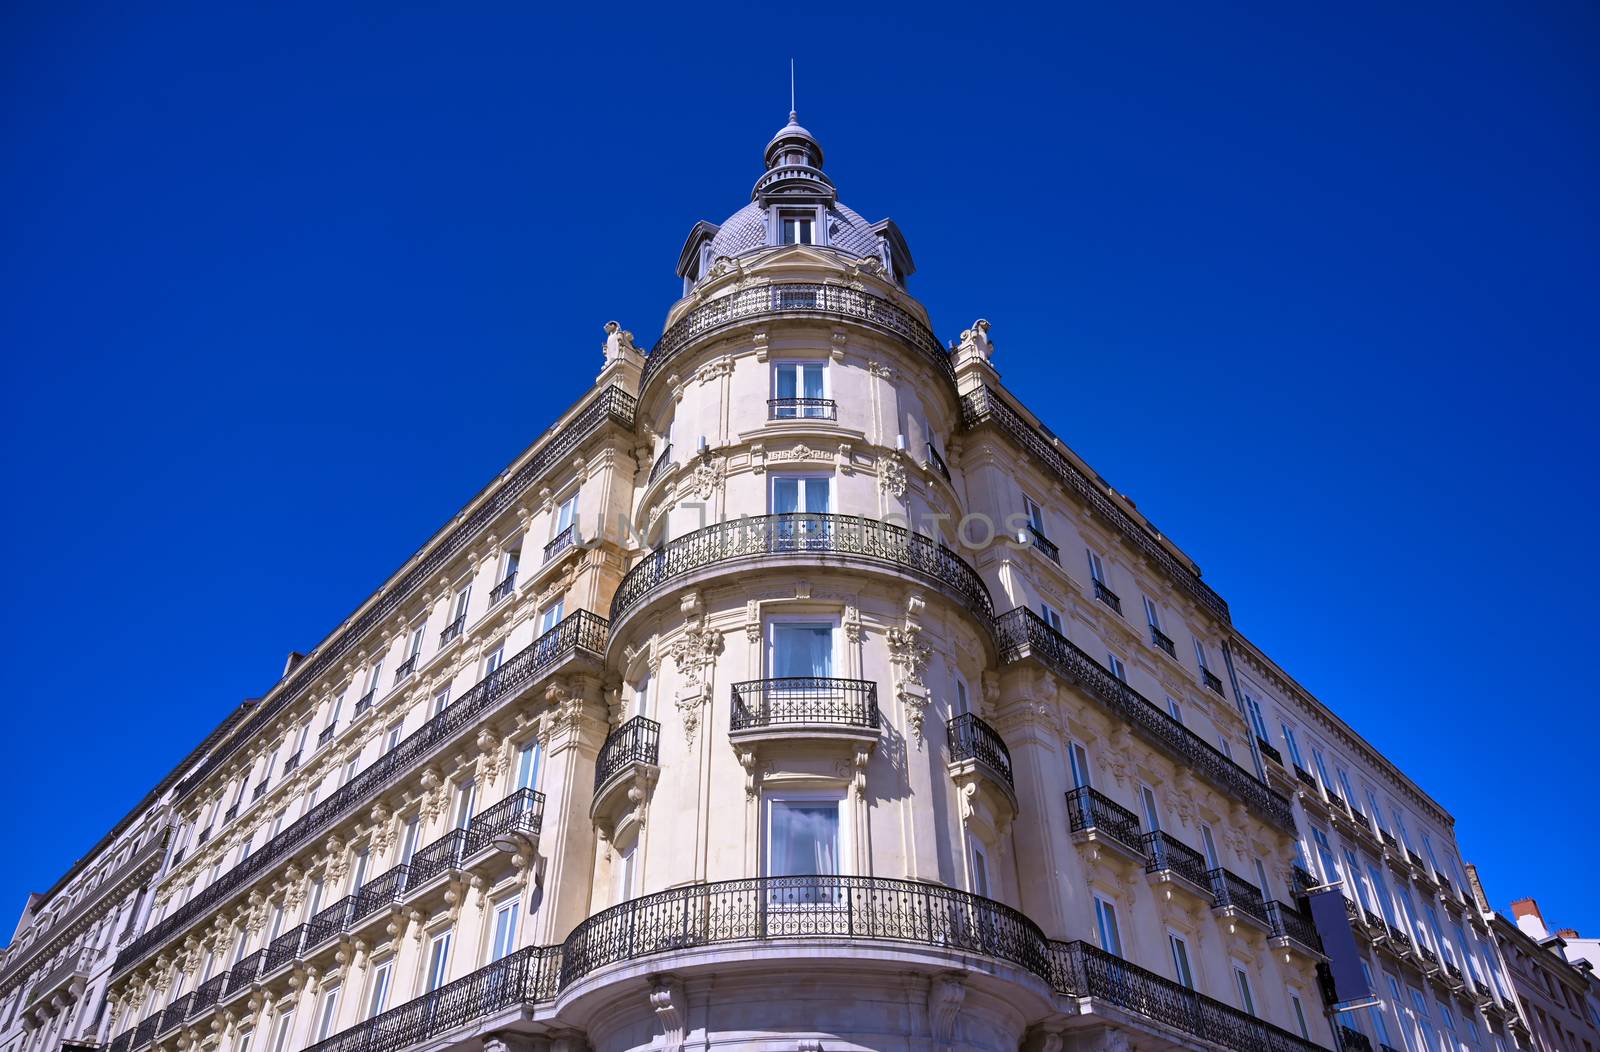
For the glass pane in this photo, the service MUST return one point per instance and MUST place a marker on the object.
(802, 649)
(816, 495)
(805, 839)
(785, 496)
(786, 382)
(813, 381)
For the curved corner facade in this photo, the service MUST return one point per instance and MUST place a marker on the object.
(798, 689)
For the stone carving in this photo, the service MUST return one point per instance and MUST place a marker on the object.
(909, 658)
(892, 474)
(619, 341)
(843, 461)
(945, 995)
(976, 340)
(752, 620)
(694, 651)
(707, 476)
(852, 622)
(667, 1001)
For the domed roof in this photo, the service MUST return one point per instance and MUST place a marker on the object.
(746, 229)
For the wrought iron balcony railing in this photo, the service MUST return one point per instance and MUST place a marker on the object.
(442, 856)
(580, 631)
(854, 538)
(502, 591)
(258, 792)
(365, 701)
(1353, 1040)
(637, 741)
(790, 700)
(659, 468)
(1107, 596)
(1230, 889)
(206, 994)
(1270, 752)
(406, 667)
(796, 298)
(987, 406)
(1165, 854)
(1088, 809)
(1088, 971)
(326, 735)
(230, 814)
(1021, 632)
(561, 542)
(1301, 881)
(1164, 641)
(1050, 549)
(453, 629)
(520, 813)
(938, 462)
(804, 907)
(1288, 922)
(1304, 777)
(613, 404)
(802, 409)
(970, 738)
(1211, 681)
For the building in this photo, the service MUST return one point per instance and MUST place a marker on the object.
(1427, 953)
(798, 689)
(1558, 994)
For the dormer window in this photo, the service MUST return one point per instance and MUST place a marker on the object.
(797, 228)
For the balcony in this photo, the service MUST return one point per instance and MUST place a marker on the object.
(290, 764)
(65, 980)
(325, 735)
(242, 977)
(798, 298)
(1177, 865)
(581, 635)
(1107, 596)
(1082, 970)
(1164, 641)
(847, 539)
(1269, 752)
(406, 668)
(365, 701)
(802, 409)
(1301, 882)
(1294, 931)
(205, 834)
(281, 952)
(1097, 820)
(1430, 960)
(561, 542)
(205, 996)
(1211, 682)
(502, 591)
(172, 1018)
(1021, 633)
(631, 756)
(804, 707)
(1353, 1040)
(1238, 899)
(937, 462)
(1453, 977)
(1303, 776)
(1048, 548)
(972, 741)
(258, 792)
(511, 826)
(442, 857)
(660, 467)
(230, 814)
(453, 630)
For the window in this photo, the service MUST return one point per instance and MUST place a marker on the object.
(1262, 882)
(796, 227)
(440, 700)
(625, 871)
(1097, 569)
(1246, 1001)
(961, 706)
(1050, 616)
(1035, 514)
(408, 843)
(1200, 656)
(980, 871)
(333, 721)
(493, 661)
(373, 672)
(392, 739)
(792, 494)
(800, 649)
(1105, 917)
(1180, 959)
(528, 765)
(552, 615)
(414, 647)
(315, 900)
(1294, 746)
(466, 800)
(349, 771)
(1299, 1015)
(1354, 870)
(1344, 785)
(1210, 846)
(1080, 766)
(280, 1032)
(803, 837)
(641, 695)
(438, 962)
(1322, 770)
(505, 929)
(380, 989)
(1151, 616)
(358, 876)
(1379, 888)
(1152, 817)
(566, 515)
(1174, 709)
(799, 389)
(277, 821)
(1222, 743)
(1118, 669)
(1330, 869)
(1399, 1003)
(330, 1011)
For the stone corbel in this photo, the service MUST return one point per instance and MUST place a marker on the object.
(843, 461)
(668, 1002)
(945, 995)
(758, 458)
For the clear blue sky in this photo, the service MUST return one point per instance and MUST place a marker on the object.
(283, 288)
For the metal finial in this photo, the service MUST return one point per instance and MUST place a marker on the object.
(794, 116)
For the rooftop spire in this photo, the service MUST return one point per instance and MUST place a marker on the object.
(794, 115)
